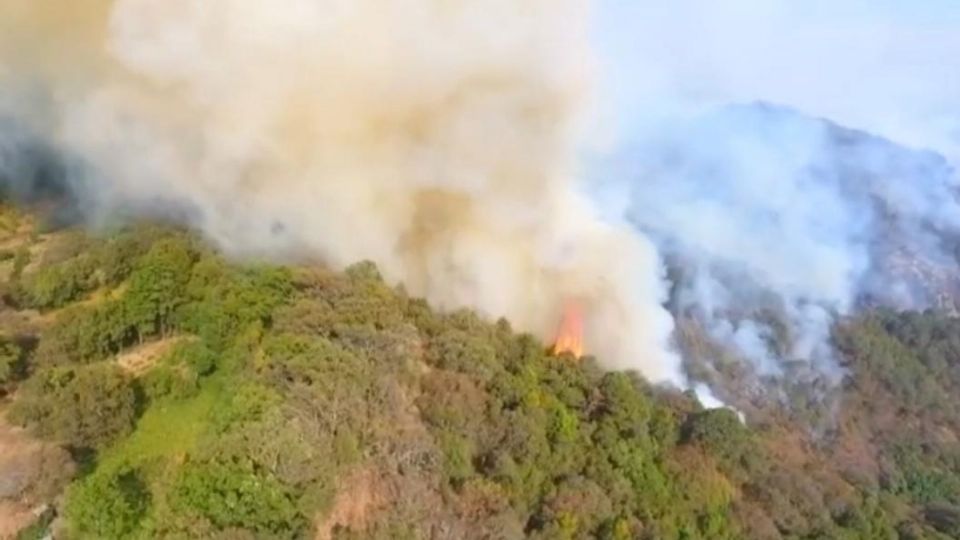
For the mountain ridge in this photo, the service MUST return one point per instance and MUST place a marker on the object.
(359, 412)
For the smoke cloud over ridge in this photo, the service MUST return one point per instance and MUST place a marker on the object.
(776, 219)
(435, 138)
(441, 139)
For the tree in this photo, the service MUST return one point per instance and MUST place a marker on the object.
(83, 406)
(720, 432)
(85, 334)
(11, 361)
(109, 504)
(20, 261)
(158, 286)
(237, 494)
(119, 256)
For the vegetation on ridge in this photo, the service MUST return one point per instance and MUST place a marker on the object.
(275, 402)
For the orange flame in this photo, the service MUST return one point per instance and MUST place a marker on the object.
(570, 336)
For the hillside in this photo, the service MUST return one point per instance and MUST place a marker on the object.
(166, 392)
(775, 226)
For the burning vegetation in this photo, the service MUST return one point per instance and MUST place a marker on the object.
(570, 334)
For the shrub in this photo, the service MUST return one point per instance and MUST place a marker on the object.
(83, 407)
(237, 494)
(109, 504)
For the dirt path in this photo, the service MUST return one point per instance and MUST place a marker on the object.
(139, 360)
(359, 496)
(25, 468)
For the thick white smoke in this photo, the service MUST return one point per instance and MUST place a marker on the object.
(437, 138)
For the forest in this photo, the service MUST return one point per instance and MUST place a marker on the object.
(164, 391)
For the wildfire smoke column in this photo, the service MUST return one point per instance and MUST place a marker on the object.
(438, 139)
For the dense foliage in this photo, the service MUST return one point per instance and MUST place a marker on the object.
(202, 398)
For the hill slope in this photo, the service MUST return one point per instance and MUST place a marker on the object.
(282, 402)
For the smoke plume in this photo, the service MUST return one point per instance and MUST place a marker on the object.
(436, 138)
(775, 219)
(442, 139)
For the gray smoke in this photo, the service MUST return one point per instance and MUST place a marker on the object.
(764, 211)
(776, 219)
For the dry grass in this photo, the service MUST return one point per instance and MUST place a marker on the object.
(20, 464)
(360, 495)
(140, 359)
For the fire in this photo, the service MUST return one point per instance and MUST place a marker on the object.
(570, 336)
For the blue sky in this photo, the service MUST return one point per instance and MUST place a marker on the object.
(888, 66)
